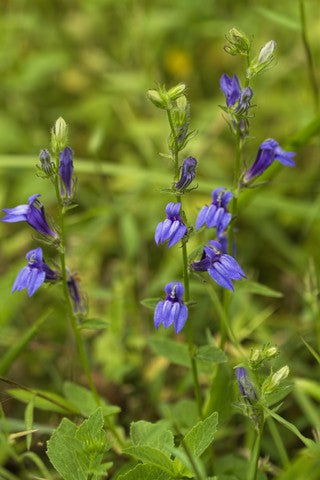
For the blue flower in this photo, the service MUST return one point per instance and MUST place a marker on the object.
(33, 276)
(269, 151)
(33, 214)
(234, 93)
(172, 309)
(188, 171)
(221, 267)
(245, 386)
(216, 215)
(171, 229)
(231, 88)
(66, 170)
(75, 295)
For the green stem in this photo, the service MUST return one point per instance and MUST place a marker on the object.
(308, 53)
(69, 308)
(281, 449)
(235, 188)
(186, 282)
(253, 465)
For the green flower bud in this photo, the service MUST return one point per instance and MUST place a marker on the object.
(59, 136)
(238, 42)
(263, 61)
(176, 92)
(271, 352)
(155, 98)
(274, 380)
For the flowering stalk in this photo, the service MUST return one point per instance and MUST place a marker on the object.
(255, 452)
(186, 274)
(69, 307)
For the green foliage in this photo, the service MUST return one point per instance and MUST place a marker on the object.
(77, 452)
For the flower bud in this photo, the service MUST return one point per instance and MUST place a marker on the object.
(156, 98)
(176, 92)
(47, 166)
(271, 352)
(59, 135)
(266, 52)
(273, 381)
(238, 42)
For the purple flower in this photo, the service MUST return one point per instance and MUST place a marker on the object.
(188, 171)
(75, 295)
(231, 88)
(245, 386)
(171, 229)
(234, 93)
(172, 309)
(221, 267)
(33, 276)
(269, 151)
(216, 215)
(66, 170)
(33, 214)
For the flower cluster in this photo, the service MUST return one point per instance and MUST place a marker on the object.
(33, 213)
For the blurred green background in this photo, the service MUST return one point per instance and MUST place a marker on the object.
(91, 62)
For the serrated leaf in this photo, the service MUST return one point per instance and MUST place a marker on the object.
(93, 324)
(174, 351)
(154, 434)
(201, 435)
(77, 452)
(211, 354)
(145, 472)
(147, 454)
(83, 399)
(258, 289)
(28, 417)
(150, 302)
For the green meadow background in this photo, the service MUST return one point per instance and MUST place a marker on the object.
(91, 62)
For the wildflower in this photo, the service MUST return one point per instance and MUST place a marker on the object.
(171, 229)
(35, 274)
(46, 165)
(221, 267)
(33, 214)
(269, 151)
(216, 215)
(245, 386)
(75, 295)
(188, 171)
(66, 170)
(233, 93)
(172, 309)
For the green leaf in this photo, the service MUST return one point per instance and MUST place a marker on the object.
(44, 400)
(77, 452)
(83, 400)
(201, 435)
(258, 289)
(28, 417)
(145, 472)
(174, 351)
(93, 324)
(211, 354)
(147, 454)
(153, 434)
(150, 302)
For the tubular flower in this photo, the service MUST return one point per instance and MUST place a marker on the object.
(66, 170)
(33, 214)
(171, 229)
(221, 267)
(216, 215)
(75, 295)
(234, 93)
(245, 386)
(188, 171)
(269, 151)
(35, 274)
(172, 309)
